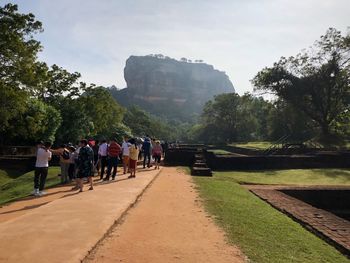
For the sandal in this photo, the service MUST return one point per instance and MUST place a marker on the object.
(91, 188)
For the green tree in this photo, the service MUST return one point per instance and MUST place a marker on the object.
(102, 110)
(76, 124)
(316, 82)
(39, 121)
(138, 120)
(219, 118)
(141, 123)
(285, 120)
(58, 84)
(18, 65)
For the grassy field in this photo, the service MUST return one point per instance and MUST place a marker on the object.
(296, 176)
(263, 233)
(14, 185)
(253, 145)
(219, 151)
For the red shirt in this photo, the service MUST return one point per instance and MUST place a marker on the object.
(114, 149)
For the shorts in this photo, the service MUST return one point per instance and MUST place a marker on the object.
(125, 159)
(132, 164)
(157, 158)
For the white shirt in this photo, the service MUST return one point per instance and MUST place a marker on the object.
(125, 148)
(102, 150)
(42, 158)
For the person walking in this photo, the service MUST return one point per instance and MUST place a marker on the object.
(43, 156)
(133, 155)
(85, 168)
(114, 151)
(157, 154)
(146, 149)
(63, 153)
(102, 155)
(71, 169)
(125, 153)
(95, 148)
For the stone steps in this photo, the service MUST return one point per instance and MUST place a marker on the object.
(199, 167)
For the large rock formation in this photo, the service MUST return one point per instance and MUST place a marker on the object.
(171, 88)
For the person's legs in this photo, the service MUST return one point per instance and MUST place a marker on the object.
(115, 166)
(91, 183)
(149, 160)
(144, 160)
(36, 180)
(81, 184)
(125, 163)
(96, 164)
(43, 176)
(109, 169)
(103, 166)
(62, 172)
(66, 172)
(71, 171)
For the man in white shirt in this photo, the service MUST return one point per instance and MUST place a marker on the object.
(125, 151)
(102, 155)
(43, 157)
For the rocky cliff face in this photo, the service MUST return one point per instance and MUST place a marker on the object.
(171, 88)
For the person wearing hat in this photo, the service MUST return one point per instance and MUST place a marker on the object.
(157, 153)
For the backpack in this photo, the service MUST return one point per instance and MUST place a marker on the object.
(65, 154)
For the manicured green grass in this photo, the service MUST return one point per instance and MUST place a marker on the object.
(295, 176)
(253, 145)
(22, 185)
(263, 233)
(8, 175)
(219, 151)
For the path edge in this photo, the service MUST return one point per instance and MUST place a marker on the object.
(120, 219)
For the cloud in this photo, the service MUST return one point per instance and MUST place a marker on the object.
(238, 37)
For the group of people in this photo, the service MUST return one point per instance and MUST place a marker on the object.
(89, 157)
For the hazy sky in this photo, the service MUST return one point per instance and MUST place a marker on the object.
(239, 37)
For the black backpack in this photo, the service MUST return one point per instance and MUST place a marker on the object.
(65, 154)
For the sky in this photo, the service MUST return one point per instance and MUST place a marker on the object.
(240, 37)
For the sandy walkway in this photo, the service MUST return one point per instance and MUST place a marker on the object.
(65, 229)
(167, 225)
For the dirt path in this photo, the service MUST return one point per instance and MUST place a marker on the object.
(30, 203)
(167, 225)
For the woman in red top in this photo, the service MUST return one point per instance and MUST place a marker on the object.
(157, 154)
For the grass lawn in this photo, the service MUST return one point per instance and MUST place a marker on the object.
(263, 233)
(14, 186)
(8, 175)
(296, 176)
(219, 151)
(253, 145)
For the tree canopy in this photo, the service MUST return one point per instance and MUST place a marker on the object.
(315, 81)
(38, 102)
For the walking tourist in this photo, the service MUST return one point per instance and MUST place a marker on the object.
(86, 157)
(114, 151)
(125, 152)
(43, 156)
(72, 157)
(102, 155)
(95, 149)
(63, 153)
(157, 154)
(133, 155)
(146, 149)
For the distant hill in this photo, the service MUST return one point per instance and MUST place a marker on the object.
(176, 90)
